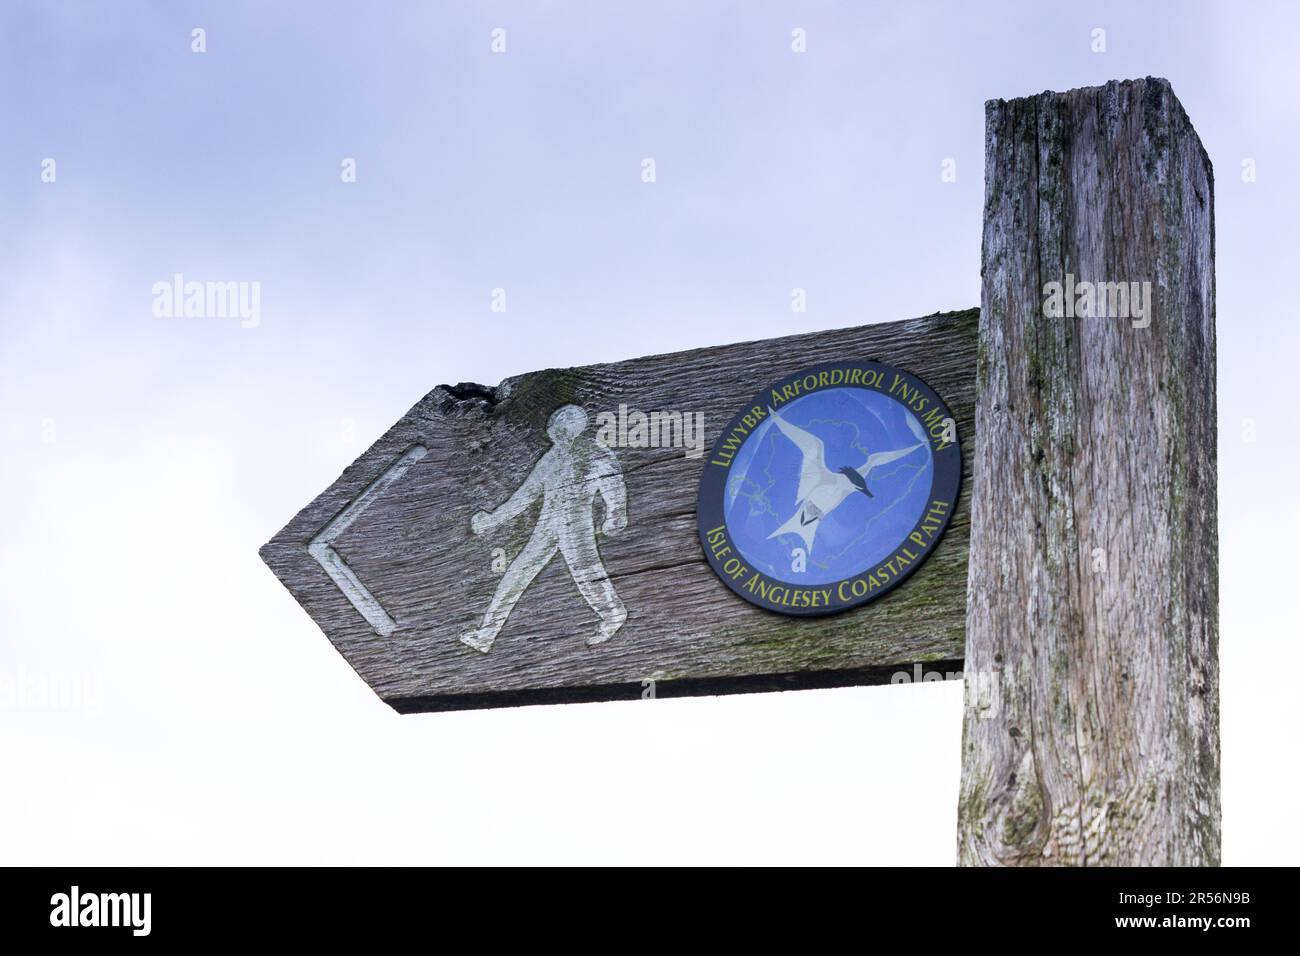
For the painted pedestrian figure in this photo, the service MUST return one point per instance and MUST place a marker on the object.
(567, 478)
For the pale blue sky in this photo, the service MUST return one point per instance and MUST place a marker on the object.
(145, 459)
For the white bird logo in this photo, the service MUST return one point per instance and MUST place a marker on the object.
(821, 490)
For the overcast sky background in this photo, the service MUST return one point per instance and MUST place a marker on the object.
(145, 459)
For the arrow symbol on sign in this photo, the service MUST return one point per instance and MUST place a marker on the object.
(321, 546)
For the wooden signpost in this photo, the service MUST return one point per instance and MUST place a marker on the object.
(388, 561)
(797, 513)
(1094, 554)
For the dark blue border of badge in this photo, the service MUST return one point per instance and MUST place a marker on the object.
(946, 486)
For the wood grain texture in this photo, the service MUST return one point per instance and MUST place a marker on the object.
(413, 550)
(1094, 551)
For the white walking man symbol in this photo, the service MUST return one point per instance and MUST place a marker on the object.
(567, 478)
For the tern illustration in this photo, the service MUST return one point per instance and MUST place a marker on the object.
(822, 490)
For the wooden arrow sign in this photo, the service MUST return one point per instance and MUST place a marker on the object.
(794, 513)
(539, 542)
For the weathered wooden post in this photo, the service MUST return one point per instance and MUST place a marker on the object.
(1092, 709)
(570, 535)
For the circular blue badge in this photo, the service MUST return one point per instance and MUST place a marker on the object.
(830, 488)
